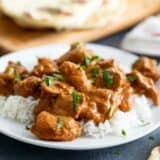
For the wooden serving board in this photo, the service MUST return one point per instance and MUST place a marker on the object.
(14, 38)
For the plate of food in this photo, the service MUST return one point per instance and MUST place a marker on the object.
(78, 97)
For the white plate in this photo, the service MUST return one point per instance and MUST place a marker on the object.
(28, 58)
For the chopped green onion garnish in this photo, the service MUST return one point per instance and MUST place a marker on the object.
(76, 45)
(123, 132)
(82, 66)
(18, 63)
(95, 58)
(110, 112)
(108, 78)
(92, 80)
(48, 80)
(11, 71)
(142, 120)
(58, 76)
(17, 77)
(76, 100)
(59, 123)
(87, 59)
(131, 78)
(95, 71)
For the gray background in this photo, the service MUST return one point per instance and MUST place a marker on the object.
(138, 150)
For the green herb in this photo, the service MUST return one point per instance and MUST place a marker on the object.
(95, 71)
(18, 63)
(76, 45)
(110, 112)
(58, 76)
(142, 120)
(131, 78)
(76, 100)
(92, 80)
(82, 66)
(123, 132)
(87, 59)
(17, 77)
(59, 123)
(95, 58)
(11, 71)
(151, 138)
(48, 80)
(108, 78)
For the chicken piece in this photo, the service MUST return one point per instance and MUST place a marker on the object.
(64, 106)
(111, 63)
(148, 67)
(92, 71)
(107, 101)
(76, 76)
(83, 108)
(59, 99)
(44, 67)
(28, 87)
(13, 73)
(76, 54)
(126, 103)
(100, 96)
(144, 85)
(56, 88)
(16, 69)
(46, 103)
(6, 85)
(111, 78)
(56, 128)
(49, 95)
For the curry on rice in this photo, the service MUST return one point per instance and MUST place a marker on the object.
(78, 86)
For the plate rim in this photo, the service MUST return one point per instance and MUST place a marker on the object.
(41, 144)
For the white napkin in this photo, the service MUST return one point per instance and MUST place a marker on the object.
(144, 38)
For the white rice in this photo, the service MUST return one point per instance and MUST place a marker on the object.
(18, 108)
(91, 130)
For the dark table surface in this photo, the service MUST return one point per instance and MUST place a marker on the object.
(139, 150)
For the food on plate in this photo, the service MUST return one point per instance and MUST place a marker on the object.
(147, 67)
(144, 85)
(79, 94)
(63, 14)
(50, 127)
(155, 154)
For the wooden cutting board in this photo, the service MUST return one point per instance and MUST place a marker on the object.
(14, 38)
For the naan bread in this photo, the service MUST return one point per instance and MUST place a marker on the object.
(63, 14)
(111, 10)
(50, 13)
(155, 154)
